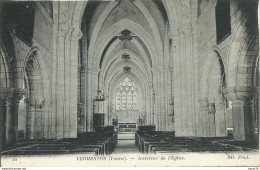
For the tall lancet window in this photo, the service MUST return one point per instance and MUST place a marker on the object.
(126, 95)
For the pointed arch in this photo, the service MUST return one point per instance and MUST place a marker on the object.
(115, 30)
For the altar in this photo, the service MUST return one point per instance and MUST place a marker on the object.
(127, 127)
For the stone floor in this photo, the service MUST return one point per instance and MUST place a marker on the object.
(126, 144)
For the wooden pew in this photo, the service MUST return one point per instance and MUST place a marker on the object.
(50, 149)
(96, 143)
(166, 142)
(108, 140)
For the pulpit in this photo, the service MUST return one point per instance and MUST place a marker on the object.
(98, 120)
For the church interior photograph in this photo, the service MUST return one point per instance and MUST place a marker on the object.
(105, 77)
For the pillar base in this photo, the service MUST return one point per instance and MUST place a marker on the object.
(243, 112)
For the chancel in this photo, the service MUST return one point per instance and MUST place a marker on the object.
(129, 76)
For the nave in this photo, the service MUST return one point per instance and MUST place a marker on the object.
(126, 144)
(77, 75)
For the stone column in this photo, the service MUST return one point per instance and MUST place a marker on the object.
(5, 109)
(2, 123)
(74, 42)
(212, 123)
(220, 118)
(60, 86)
(92, 92)
(162, 100)
(89, 103)
(66, 71)
(243, 111)
(149, 104)
(153, 106)
(195, 69)
(12, 103)
(9, 120)
(176, 51)
(81, 118)
(84, 80)
(243, 116)
(39, 121)
(166, 99)
(183, 120)
(168, 102)
(171, 100)
(106, 111)
(207, 126)
(15, 106)
(238, 119)
(173, 53)
(250, 116)
(156, 116)
(30, 118)
(157, 111)
(81, 103)
(47, 122)
(94, 82)
(203, 129)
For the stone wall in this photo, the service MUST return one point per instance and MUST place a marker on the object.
(29, 85)
(43, 27)
(231, 56)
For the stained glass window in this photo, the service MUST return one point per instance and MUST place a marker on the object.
(126, 95)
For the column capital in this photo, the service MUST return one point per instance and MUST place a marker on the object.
(241, 92)
(185, 29)
(16, 101)
(40, 103)
(181, 31)
(69, 32)
(241, 95)
(6, 92)
(246, 100)
(7, 100)
(81, 68)
(84, 37)
(29, 102)
(204, 105)
(61, 32)
(12, 93)
(19, 93)
(220, 102)
(76, 34)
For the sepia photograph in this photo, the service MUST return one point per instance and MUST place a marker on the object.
(126, 83)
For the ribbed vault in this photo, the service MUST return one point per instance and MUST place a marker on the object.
(123, 39)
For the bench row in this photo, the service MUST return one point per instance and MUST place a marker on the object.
(166, 142)
(92, 143)
(106, 141)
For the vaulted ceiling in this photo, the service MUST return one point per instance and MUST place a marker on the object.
(137, 29)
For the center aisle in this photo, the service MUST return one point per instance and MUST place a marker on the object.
(126, 144)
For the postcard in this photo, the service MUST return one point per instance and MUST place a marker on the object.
(129, 83)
